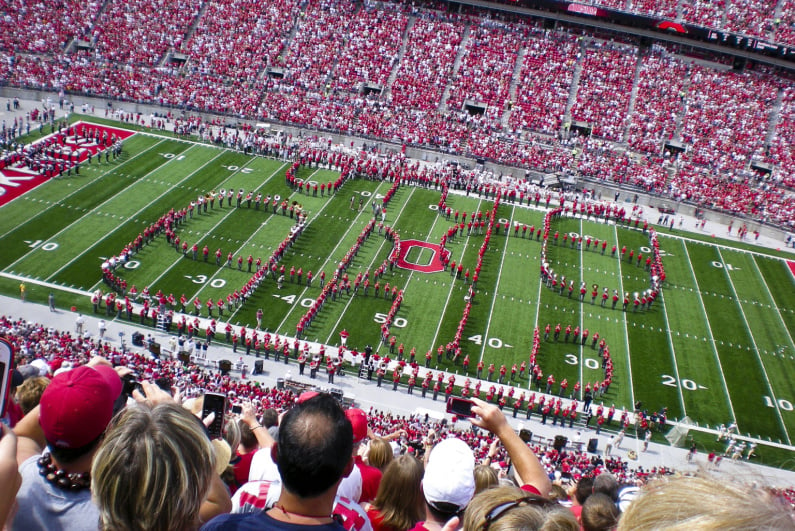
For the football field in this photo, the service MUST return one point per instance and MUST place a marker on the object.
(717, 346)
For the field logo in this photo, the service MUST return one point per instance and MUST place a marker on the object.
(412, 256)
(17, 178)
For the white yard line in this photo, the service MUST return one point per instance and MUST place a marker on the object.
(722, 246)
(212, 229)
(328, 259)
(452, 283)
(755, 349)
(50, 285)
(580, 349)
(91, 182)
(317, 215)
(131, 216)
(626, 326)
(91, 212)
(376, 256)
(709, 330)
(673, 354)
(496, 287)
(773, 305)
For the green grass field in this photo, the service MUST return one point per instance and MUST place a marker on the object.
(716, 347)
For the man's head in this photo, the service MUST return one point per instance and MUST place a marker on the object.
(76, 408)
(315, 446)
(449, 480)
(606, 484)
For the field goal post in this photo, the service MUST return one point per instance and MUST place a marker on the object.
(678, 434)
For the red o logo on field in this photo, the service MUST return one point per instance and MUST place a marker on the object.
(414, 256)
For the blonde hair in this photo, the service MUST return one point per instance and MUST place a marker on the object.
(29, 393)
(485, 478)
(153, 470)
(399, 499)
(705, 503)
(548, 517)
(380, 454)
(232, 434)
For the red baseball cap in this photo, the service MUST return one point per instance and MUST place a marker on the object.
(306, 395)
(78, 404)
(358, 419)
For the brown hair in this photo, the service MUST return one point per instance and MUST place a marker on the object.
(399, 499)
(599, 513)
(153, 469)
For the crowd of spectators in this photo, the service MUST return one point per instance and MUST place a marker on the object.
(310, 55)
(779, 151)
(721, 135)
(268, 465)
(239, 39)
(372, 43)
(785, 24)
(45, 26)
(656, 8)
(427, 65)
(602, 98)
(544, 83)
(154, 27)
(487, 68)
(320, 53)
(660, 84)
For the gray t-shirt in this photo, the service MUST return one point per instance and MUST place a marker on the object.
(43, 506)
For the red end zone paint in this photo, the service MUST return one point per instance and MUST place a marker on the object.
(433, 266)
(791, 266)
(16, 178)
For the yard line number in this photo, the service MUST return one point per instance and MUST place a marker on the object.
(684, 383)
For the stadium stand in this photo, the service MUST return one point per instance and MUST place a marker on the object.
(318, 68)
(45, 27)
(544, 83)
(605, 87)
(657, 103)
(415, 75)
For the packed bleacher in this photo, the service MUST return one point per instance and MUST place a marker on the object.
(544, 83)
(657, 103)
(602, 99)
(486, 68)
(239, 39)
(46, 26)
(306, 66)
(154, 27)
(372, 43)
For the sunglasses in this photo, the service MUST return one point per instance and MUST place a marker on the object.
(495, 513)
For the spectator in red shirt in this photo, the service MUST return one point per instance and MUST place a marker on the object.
(371, 476)
(399, 504)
